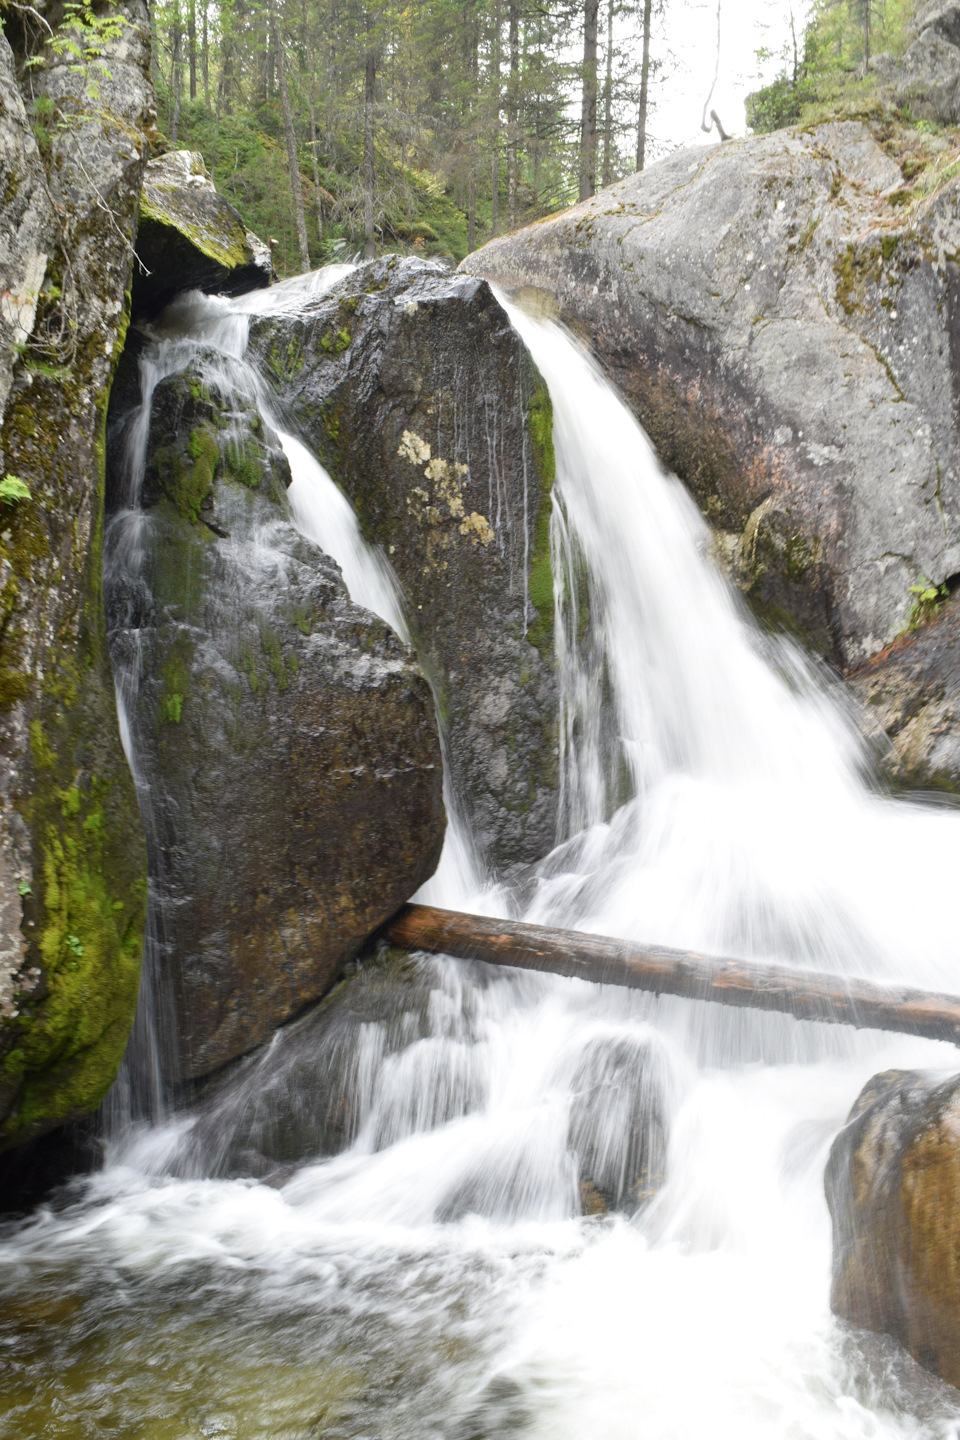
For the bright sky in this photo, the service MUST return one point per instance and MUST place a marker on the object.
(688, 35)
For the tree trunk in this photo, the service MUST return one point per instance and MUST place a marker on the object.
(369, 85)
(644, 86)
(588, 110)
(607, 174)
(867, 7)
(192, 46)
(472, 211)
(175, 82)
(513, 112)
(205, 54)
(296, 184)
(316, 172)
(495, 98)
(805, 994)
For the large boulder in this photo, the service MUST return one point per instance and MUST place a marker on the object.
(427, 409)
(927, 78)
(72, 857)
(286, 737)
(189, 237)
(893, 1187)
(909, 698)
(789, 342)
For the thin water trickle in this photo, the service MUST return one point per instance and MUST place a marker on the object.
(406, 1251)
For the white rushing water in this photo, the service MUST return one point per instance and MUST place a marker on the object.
(436, 1278)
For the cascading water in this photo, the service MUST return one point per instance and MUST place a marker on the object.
(447, 1270)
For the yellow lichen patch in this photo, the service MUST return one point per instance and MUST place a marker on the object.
(477, 527)
(413, 448)
(445, 475)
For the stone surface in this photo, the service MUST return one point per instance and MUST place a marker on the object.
(927, 78)
(893, 1187)
(790, 345)
(287, 737)
(425, 407)
(910, 701)
(189, 237)
(72, 858)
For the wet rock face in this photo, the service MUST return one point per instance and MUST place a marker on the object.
(765, 310)
(425, 407)
(287, 737)
(189, 237)
(72, 857)
(893, 1187)
(910, 698)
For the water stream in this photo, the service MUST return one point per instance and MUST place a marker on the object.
(462, 1204)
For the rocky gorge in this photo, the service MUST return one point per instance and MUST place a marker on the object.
(277, 771)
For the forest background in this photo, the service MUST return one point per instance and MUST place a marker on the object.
(339, 128)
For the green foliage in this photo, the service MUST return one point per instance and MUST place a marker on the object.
(13, 490)
(475, 106)
(827, 75)
(81, 36)
(928, 603)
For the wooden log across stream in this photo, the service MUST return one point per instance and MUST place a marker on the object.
(806, 994)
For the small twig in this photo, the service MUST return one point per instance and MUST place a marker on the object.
(716, 72)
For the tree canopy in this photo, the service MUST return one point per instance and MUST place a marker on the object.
(344, 125)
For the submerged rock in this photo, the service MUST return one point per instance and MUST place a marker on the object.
(189, 237)
(788, 340)
(72, 857)
(286, 737)
(893, 1187)
(618, 1122)
(427, 410)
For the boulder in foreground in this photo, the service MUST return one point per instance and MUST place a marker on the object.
(893, 1187)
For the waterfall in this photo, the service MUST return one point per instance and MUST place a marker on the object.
(469, 1202)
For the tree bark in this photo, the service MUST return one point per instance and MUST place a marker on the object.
(607, 172)
(495, 97)
(369, 86)
(205, 54)
(192, 46)
(644, 86)
(588, 109)
(289, 135)
(513, 111)
(175, 81)
(805, 994)
(867, 6)
(317, 189)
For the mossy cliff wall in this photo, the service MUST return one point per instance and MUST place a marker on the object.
(72, 858)
(426, 408)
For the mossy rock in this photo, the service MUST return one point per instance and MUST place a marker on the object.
(287, 737)
(190, 238)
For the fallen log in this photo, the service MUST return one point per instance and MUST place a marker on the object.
(805, 994)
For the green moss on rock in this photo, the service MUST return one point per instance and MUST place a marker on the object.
(540, 430)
